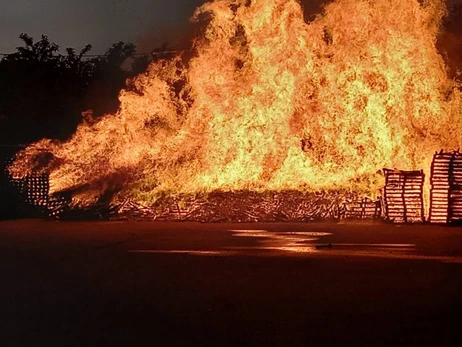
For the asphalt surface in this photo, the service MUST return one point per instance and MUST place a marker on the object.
(186, 284)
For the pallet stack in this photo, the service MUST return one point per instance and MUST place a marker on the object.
(34, 190)
(446, 188)
(58, 206)
(363, 209)
(37, 190)
(440, 187)
(455, 215)
(403, 196)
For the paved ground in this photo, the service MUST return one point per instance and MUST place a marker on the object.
(168, 284)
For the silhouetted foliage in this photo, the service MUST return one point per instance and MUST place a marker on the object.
(44, 92)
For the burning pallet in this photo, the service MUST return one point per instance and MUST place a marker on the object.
(30, 193)
(446, 188)
(33, 193)
(403, 196)
(34, 189)
(365, 208)
(238, 206)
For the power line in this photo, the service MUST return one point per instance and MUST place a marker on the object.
(104, 55)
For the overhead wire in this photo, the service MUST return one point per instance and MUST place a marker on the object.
(104, 55)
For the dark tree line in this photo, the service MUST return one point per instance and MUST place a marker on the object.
(43, 92)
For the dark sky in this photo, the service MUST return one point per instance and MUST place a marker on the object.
(75, 23)
(99, 22)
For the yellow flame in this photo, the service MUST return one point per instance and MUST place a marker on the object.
(270, 102)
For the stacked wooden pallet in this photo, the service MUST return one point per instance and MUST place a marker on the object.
(446, 188)
(403, 196)
(37, 189)
(58, 206)
(440, 187)
(363, 209)
(34, 191)
(455, 215)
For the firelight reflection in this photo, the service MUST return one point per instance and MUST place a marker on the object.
(302, 244)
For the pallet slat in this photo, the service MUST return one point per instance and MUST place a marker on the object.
(403, 196)
(445, 196)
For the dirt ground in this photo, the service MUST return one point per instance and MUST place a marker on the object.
(187, 284)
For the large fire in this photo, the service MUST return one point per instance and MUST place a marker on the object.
(270, 102)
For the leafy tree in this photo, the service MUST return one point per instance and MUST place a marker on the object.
(40, 51)
(44, 92)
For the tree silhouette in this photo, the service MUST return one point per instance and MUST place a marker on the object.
(40, 51)
(44, 92)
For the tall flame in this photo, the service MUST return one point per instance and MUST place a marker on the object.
(270, 102)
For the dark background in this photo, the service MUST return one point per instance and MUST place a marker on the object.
(79, 22)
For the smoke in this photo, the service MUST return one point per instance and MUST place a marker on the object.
(180, 37)
(175, 39)
(450, 41)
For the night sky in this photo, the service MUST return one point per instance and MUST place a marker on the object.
(75, 23)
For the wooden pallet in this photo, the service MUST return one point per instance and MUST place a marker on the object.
(446, 188)
(403, 196)
(365, 208)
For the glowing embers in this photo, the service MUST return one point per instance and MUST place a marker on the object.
(446, 188)
(242, 206)
(33, 188)
(34, 192)
(403, 196)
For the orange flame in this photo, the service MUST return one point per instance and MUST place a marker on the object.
(270, 102)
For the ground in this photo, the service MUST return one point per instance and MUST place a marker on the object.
(187, 284)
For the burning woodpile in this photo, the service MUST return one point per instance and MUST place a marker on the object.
(243, 206)
(271, 118)
(402, 201)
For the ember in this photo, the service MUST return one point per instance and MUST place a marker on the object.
(269, 103)
(245, 206)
